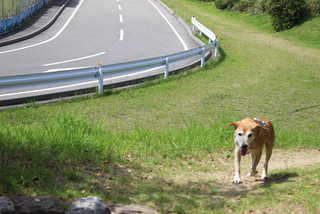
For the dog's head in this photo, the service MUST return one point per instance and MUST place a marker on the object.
(245, 131)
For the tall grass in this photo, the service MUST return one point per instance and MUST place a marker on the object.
(15, 7)
(67, 137)
(44, 151)
(50, 157)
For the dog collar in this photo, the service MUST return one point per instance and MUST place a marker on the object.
(261, 123)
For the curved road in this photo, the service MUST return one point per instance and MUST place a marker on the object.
(93, 31)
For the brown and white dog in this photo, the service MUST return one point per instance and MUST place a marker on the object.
(250, 135)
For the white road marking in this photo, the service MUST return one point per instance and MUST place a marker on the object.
(174, 30)
(121, 35)
(121, 19)
(54, 37)
(73, 60)
(63, 69)
(78, 84)
(90, 82)
(119, 7)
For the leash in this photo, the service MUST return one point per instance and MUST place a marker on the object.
(263, 123)
(285, 115)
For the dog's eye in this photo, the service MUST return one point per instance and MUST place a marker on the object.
(240, 134)
(249, 135)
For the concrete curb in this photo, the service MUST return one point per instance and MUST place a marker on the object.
(36, 32)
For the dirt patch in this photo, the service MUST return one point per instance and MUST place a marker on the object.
(220, 169)
(279, 160)
(291, 159)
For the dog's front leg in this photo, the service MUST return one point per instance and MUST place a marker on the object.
(237, 159)
(255, 158)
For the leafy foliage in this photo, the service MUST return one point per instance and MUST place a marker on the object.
(314, 7)
(284, 13)
(287, 13)
(225, 4)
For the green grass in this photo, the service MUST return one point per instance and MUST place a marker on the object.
(12, 8)
(293, 191)
(147, 144)
(307, 33)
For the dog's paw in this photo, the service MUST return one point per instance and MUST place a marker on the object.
(264, 177)
(237, 180)
(252, 173)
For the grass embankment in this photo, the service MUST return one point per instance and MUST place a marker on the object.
(12, 8)
(163, 144)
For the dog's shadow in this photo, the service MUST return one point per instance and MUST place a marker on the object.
(280, 177)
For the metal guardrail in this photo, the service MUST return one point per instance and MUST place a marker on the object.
(101, 72)
(206, 31)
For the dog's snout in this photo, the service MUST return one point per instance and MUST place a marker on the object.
(244, 146)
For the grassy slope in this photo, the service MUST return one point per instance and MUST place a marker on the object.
(51, 149)
(307, 33)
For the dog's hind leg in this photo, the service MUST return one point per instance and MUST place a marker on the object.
(265, 166)
(255, 158)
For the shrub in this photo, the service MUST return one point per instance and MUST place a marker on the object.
(252, 6)
(225, 4)
(287, 13)
(244, 5)
(314, 7)
(262, 6)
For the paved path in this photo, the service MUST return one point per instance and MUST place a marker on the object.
(89, 32)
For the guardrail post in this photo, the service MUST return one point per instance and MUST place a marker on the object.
(166, 72)
(202, 56)
(177, 6)
(217, 47)
(194, 27)
(100, 79)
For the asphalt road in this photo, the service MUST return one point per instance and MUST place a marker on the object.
(93, 31)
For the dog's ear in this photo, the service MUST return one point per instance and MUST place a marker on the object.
(235, 125)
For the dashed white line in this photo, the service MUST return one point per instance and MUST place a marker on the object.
(54, 37)
(121, 35)
(121, 20)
